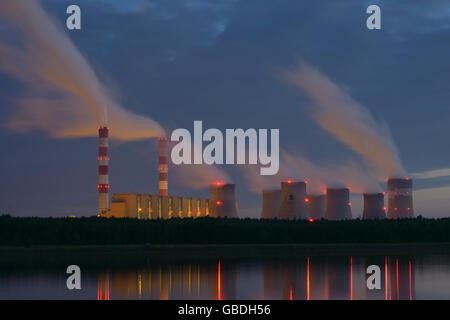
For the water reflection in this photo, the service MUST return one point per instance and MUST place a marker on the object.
(311, 278)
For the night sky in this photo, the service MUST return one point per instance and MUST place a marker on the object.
(218, 61)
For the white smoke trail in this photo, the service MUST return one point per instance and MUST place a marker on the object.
(348, 121)
(60, 81)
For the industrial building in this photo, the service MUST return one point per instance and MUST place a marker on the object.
(148, 207)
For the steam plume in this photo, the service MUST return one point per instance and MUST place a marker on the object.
(348, 121)
(199, 176)
(62, 86)
(257, 183)
(318, 177)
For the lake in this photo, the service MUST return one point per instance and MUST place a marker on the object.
(316, 277)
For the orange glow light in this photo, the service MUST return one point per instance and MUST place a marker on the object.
(396, 270)
(385, 277)
(311, 220)
(219, 295)
(307, 279)
(219, 202)
(306, 200)
(410, 289)
(351, 278)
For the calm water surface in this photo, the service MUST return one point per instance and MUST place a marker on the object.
(316, 277)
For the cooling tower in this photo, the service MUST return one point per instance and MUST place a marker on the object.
(271, 204)
(103, 171)
(222, 203)
(316, 206)
(400, 201)
(293, 201)
(163, 167)
(374, 206)
(338, 204)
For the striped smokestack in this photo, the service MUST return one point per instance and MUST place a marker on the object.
(163, 167)
(103, 170)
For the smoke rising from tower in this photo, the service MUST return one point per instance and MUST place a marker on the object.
(348, 121)
(61, 84)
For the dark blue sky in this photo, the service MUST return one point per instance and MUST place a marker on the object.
(217, 61)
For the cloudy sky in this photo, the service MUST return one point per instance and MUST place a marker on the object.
(218, 61)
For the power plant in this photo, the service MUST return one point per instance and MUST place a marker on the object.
(316, 206)
(338, 204)
(293, 200)
(400, 201)
(146, 206)
(223, 203)
(271, 204)
(289, 203)
(374, 206)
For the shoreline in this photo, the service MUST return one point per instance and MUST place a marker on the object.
(204, 249)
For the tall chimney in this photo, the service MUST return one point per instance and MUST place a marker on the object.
(271, 204)
(374, 206)
(163, 167)
(400, 201)
(293, 201)
(338, 204)
(316, 206)
(222, 203)
(103, 170)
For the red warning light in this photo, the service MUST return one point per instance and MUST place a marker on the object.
(306, 181)
(349, 203)
(311, 220)
(306, 200)
(395, 209)
(409, 209)
(289, 181)
(384, 208)
(218, 202)
(219, 183)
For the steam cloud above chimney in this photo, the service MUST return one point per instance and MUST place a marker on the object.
(63, 90)
(347, 120)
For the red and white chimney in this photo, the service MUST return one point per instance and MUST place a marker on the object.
(103, 170)
(163, 166)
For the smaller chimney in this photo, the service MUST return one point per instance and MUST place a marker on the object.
(374, 206)
(163, 167)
